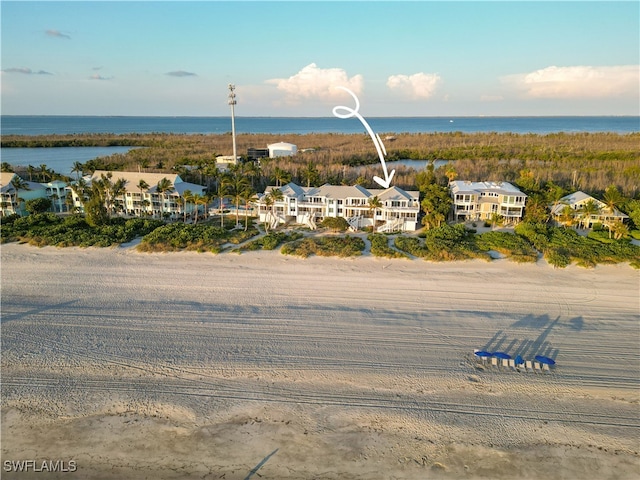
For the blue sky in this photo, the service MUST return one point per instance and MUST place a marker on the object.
(286, 58)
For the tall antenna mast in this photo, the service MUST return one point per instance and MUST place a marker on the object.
(232, 102)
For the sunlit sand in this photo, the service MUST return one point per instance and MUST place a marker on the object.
(190, 365)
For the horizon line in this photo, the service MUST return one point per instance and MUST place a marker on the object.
(314, 116)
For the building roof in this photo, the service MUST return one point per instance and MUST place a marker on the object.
(132, 180)
(6, 187)
(344, 191)
(282, 145)
(502, 188)
(395, 193)
(579, 198)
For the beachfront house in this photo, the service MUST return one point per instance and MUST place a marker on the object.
(483, 200)
(158, 195)
(579, 208)
(15, 192)
(308, 206)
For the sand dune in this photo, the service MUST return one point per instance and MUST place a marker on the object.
(190, 365)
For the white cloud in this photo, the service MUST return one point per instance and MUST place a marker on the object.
(57, 34)
(418, 85)
(26, 71)
(578, 82)
(319, 83)
(181, 73)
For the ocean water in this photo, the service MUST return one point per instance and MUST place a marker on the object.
(46, 125)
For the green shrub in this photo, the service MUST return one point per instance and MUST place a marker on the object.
(346, 246)
(380, 247)
(515, 247)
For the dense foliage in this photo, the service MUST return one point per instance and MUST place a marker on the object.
(515, 247)
(563, 246)
(380, 247)
(446, 242)
(49, 229)
(337, 224)
(270, 241)
(343, 246)
(200, 238)
(586, 161)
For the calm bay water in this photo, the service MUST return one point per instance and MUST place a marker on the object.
(62, 159)
(59, 159)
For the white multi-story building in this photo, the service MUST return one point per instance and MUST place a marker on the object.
(309, 205)
(481, 200)
(142, 197)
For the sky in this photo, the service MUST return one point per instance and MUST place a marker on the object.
(454, 58)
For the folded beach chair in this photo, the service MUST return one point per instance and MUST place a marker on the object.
(529, 366)
(545, 368)
(505, 363)
(512, 363)
(536, 367)
(494, 361)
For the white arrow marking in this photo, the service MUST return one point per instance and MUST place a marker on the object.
(353, 112)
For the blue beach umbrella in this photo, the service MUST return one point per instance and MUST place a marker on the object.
(519, 360)
(482, 353)
(501, 355)
(547, 360)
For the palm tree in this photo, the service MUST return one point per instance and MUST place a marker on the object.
(80, 188)
(311, 173)
(248, 196)
(373, 204)
(143, 186)
(198, 199)
(496, 219)
(31, 170)
(451, 173)
(620, 230)
(18, 184)
(275, 195)
(567, 216)
(268, 201)
(612, 199)
(281, 176)
(163, 187)
(78, 169)
(45, 174)
(251, 170)
(187, 197)
(237, 184)
(588, 209)
(118, 189)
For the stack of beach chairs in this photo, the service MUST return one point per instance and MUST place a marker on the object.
(527, 366)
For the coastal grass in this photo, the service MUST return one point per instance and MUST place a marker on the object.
(444, 243)
(48, 229)
(380, 247)
(199, 238)
(514, 247)
(563, 246)
(341, 246)
(270, 241)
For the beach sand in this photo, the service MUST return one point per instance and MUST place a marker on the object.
(186, 365)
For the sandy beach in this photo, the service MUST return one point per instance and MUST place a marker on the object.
(186, 365)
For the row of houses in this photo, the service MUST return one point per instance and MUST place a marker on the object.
(396, 209)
